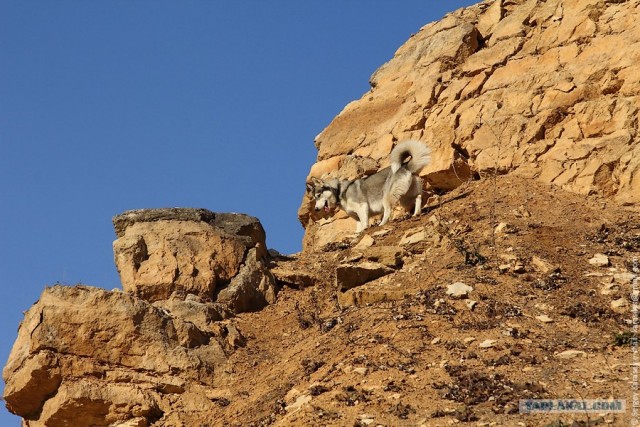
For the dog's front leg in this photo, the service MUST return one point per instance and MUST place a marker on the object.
(363, 219)
(418, 208)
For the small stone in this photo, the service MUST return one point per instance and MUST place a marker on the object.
(624, 278)
(599, 260)
(542, 265)
(410, 239)
(471, 304)
(487, 343)
(459, 290)
(503, 268)
(436, 340)
(519, 268)
(620, 305)
(610, 289)
(469, 340)
(351, 275)
(503, 227)
(570, 354)
(381, 233)
(544, 318)
(391, 256)
(299, 403)
(521, 212)
(366, 419)
(364, 243)
(361, 370)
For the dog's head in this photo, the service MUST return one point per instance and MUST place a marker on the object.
(324, 193)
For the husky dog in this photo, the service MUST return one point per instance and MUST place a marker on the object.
(377, 193)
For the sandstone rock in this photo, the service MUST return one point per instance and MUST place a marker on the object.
(620, 305)
(360, 370)
(215, 256)
(96, 403)
(251, 289)
(391, 256)
(349, 276)
(610, 289)
(544, 318)
(625, 278)
(503, 227)
(543, 266)
(79, 349)
(547, 90)
(366, 419)
(570, 354)
(504, 268)
(518, 267)
(487, 344)
(459, 290)
(364, 243)
(300, 402)
(413, 236)
(293, 277)
(599, 260)
(199, 314)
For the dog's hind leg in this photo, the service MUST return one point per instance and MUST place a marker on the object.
(387, 206)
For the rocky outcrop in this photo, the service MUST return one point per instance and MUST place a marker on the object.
(99, 358)
(214, 257)
(547, 90)
(95, 358)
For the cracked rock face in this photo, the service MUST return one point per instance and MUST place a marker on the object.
(547, 90)
(90, 357)
(216, 257)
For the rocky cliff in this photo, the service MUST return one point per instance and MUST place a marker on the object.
(548, 90)
(88, 357)
(506, 288)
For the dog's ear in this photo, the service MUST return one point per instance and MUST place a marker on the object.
(315, 182)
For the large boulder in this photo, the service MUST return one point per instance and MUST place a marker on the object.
(97, 358)
(547, 90)
(217, 257)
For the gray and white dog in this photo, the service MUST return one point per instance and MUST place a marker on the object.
(377, 193)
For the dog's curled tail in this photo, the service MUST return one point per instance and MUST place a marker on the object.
(419, 152)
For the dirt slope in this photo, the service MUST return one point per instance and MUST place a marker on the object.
(413, 355)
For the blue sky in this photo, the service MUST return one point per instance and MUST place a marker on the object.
(107, 106)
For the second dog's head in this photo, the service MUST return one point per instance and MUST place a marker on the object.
(324, 193)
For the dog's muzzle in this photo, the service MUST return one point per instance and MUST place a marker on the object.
(325, 208)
